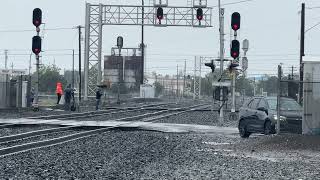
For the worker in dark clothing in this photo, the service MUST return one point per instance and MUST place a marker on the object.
(67, 97)
(98, 98)
(31, 96)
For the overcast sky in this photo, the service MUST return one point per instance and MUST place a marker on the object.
(272, 27)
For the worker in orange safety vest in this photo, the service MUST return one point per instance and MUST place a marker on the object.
(59, 91)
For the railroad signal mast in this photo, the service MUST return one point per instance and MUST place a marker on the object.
(36, 49)
(160, 14)
(235, 53)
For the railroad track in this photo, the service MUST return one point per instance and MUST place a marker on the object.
(91, 114)
(148, 117)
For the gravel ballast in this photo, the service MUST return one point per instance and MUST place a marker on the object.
(150, 155)
(19, 129)
(200, 118)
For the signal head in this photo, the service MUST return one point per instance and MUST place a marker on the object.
(160, 13)
(37, 17)
(199, 14)
(36, 45)
(235, 49)
(235, 21)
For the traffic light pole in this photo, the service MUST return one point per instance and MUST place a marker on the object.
(221, 29)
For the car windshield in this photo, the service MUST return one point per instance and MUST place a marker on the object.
(285, 105)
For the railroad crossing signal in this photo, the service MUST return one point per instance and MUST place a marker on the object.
(36, 45)
(235, 21)
(37, 17)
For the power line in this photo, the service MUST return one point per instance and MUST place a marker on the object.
(29, 30)
(232, 3)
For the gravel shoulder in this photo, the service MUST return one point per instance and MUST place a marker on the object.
(200, 118)
(150, 155)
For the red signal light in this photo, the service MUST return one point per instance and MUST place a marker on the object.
(160, 13)
(235, 54)
(235, 21)
(235, 27)
(199, 14)
(37, 17)
(36, 45)
(235, 49)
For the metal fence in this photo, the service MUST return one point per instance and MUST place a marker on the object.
(308, 121)
(14, 94)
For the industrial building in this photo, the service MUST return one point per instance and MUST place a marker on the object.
(127, 70)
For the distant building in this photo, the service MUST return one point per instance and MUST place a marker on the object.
(123, 69)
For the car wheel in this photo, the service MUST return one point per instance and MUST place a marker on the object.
(243, 129)
(267, 128)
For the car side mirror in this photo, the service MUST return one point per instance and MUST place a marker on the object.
(263, 109)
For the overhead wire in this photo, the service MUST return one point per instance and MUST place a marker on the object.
(32, 30)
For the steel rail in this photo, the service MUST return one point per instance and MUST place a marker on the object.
(64, 139)
(91, 112)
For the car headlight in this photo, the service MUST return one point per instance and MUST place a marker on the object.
(282, 118)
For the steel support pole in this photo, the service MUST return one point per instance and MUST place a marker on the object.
(142, 44)
(99, 78)
(30, 65)
(177, 90)
(6, 59)
(86, 52)
(184, 78)
(36, 98)
(195, 80)
(302, 39)
(221, 29)
(80, 75)
(119, 77)
(73, 68)
(278, 99)
(233, 108)
(200, 78)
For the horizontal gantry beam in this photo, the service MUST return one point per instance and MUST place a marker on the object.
(172, 16)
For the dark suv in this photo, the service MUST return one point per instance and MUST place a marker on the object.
(259, 115)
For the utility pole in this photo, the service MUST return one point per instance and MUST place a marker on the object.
(184, 78)
(292, 72)
(177, 90)
(254, 86)
(302, 51)
(221, 29)
(6, 59)
(30, 66)
(73, 68)
(80, 83)
(142, 44)
(278, 98)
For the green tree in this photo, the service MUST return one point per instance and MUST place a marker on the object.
(244, 84)
(158, 88)
(49, 75)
